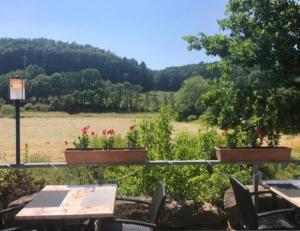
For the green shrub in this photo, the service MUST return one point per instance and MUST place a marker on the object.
(8, 110)
(41, 107)
(16, 183)
(28, 107)
(191, 118)
(2, 101)
(186, 182)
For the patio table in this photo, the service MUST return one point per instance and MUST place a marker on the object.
(287, 189)
(56, 202)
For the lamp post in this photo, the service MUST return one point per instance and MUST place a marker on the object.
(17, 93)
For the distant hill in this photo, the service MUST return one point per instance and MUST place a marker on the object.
(56, 56)
(171, 78)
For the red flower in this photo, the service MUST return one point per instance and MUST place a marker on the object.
(92, 133)
(277, 130)
(262, 135)
(110, 132)
(132, 127)
(66, 142)
(84, 131)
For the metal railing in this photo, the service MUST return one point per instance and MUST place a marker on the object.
(147, 163)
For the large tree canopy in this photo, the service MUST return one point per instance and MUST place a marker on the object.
(263, 35)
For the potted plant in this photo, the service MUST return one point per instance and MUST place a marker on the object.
(250, 145)
(99, 149)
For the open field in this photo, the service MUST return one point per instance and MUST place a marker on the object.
(45, 133)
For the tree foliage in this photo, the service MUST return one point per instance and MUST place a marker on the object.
(188, 98)
(171, 78)
(263, 38)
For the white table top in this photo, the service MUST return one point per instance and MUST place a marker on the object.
(71, 201)
(287, 189)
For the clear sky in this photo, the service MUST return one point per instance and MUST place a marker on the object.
(147, 30)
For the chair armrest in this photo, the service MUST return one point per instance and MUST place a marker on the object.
(134, 222)
(261, 192)
(275, 212)
(132, 200)
(15, 208)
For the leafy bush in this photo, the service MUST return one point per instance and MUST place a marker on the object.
(2, 101)
(8, 110)
(17, 183)
(193, 182)
(28, 107)
(191, 118)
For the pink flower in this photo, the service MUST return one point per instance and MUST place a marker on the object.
(66, 142)
(104, 132)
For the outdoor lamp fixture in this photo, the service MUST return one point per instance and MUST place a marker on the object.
(17, 93)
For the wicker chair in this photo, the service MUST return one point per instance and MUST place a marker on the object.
(155, 207)
(249, 219)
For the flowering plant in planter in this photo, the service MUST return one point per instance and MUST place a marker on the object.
(94, 148)
(108, 138)
(253, 143)
(83, 141)
(132, 137)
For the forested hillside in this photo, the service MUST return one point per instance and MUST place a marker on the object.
(171, 78)
(55, 56)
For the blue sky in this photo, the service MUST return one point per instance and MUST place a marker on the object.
(147, 30)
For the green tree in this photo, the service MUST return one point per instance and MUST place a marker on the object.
(262, 35)
(188, 97)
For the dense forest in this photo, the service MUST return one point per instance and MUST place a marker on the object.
(56, 56)
(171, 78)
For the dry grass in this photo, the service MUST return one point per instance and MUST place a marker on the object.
(45, 133)
(293, 142)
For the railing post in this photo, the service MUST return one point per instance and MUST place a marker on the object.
(101, 176)
(255, 185)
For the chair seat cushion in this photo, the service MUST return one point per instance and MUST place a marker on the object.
(274, 222)
(123, 227)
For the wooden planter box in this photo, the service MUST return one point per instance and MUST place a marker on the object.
(253, 154)
(99, 156)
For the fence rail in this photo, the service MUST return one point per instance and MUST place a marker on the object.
(147, 163)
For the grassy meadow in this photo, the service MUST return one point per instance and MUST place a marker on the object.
(43, 134)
